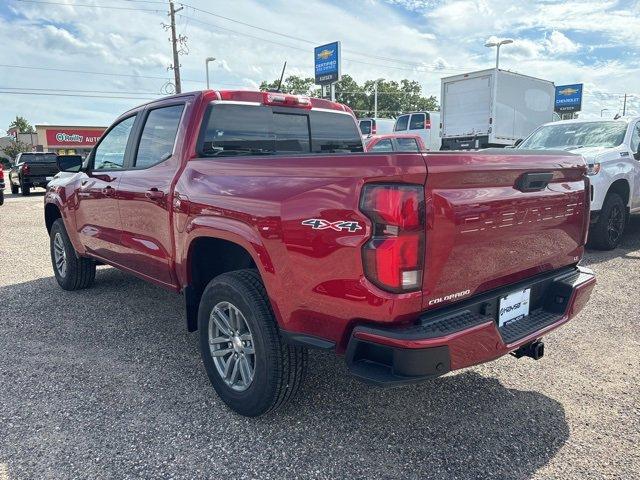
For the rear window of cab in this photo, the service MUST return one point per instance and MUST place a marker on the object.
(232, 129)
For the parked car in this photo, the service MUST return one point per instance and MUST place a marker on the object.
(375, 126)
(425, 124)
(1, 184)
(32, 169)
(612, 151)
(262, 210)
(394, 143)
(493, 108)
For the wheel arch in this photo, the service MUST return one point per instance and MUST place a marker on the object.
(621, 187)
(215, 247)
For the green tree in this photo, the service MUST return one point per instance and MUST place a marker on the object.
(394, 98)
(14, 148)
(22, 125)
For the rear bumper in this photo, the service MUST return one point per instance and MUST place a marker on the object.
(466, 334)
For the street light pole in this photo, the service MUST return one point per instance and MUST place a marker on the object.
(206, 66)
(506, 41)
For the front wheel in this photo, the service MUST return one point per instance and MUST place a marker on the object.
(14, 189)
(25, 189)
(1, 197)
(250, 366)
(607, 233)
(72, 272)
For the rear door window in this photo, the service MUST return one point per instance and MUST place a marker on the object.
(407, 145)
(417, 121)
(402, 123)
(260, 130)
(383, 145)
(158, 135)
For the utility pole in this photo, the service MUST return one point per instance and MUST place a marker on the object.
(624, 105)
(375, 100)
(174, 45)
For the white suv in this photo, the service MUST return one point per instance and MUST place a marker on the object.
(611, 149)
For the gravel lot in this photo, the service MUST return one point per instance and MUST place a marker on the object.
(107, 383)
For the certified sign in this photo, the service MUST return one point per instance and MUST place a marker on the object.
(326, 59)
(569, 98)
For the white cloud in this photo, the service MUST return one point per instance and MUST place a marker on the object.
(559, 43)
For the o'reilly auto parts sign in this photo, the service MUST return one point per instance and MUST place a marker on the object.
(569, 98)
(73, 137)
(326, 59)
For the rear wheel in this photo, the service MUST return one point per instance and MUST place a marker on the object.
(72, 272)
(250, 366)
(25, 189)
(607, 233)
(14, 189)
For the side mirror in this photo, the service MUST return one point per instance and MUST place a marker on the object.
(69, 163)
(637, 154)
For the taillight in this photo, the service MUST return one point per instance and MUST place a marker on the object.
(25, 169)
(374, 129)
(394, 256)
(427, 125)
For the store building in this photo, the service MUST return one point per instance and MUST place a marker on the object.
(67, 140)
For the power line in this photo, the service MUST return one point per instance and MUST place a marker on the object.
(112, 7)
(28, 67)
(292, 37)
(76, 95)
(78, 91)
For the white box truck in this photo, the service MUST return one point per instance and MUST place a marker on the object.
(492, 108)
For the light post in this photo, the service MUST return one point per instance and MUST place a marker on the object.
(602, 111)
(506, 41)
(206, 66)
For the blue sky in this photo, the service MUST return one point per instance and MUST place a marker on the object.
(592, 42)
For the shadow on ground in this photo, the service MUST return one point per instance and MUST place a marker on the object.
(106, 382)
(628, 248)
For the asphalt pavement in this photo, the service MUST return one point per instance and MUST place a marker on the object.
(107, 383)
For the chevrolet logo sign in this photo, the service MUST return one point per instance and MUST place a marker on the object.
(324, 54)
(568, 91)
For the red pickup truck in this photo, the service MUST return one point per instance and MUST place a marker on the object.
(282, 234)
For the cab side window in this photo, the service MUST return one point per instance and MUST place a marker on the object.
(158, 136)
(635, 138)
(110, 153)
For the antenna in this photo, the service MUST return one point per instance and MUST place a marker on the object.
(281, 77)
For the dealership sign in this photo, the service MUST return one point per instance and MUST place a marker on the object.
(73, 137)
(326, 59)
(568, 98)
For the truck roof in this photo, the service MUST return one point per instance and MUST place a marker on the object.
(258, 97)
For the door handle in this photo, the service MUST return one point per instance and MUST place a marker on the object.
(533, 182)
(108, 191)
(154, 194)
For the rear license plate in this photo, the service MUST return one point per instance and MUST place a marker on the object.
(514, 306)
(49, 178)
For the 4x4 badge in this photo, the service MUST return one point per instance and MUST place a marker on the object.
(319, 224)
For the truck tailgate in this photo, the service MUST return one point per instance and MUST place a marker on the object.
(489, 224)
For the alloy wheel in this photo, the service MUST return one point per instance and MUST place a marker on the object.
(231, 346)
(60, 255)
(615, 224)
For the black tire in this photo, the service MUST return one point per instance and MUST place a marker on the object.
(25, 189)
(1, 197)
(607, 232)
(14, 189)
(80, 272)
(278, 367)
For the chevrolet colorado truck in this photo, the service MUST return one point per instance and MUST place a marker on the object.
(263, 210)
(30, 170)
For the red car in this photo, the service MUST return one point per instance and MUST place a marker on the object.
(394, 142)
(282, 235)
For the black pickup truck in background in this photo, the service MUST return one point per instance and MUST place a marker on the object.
(32, 169)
